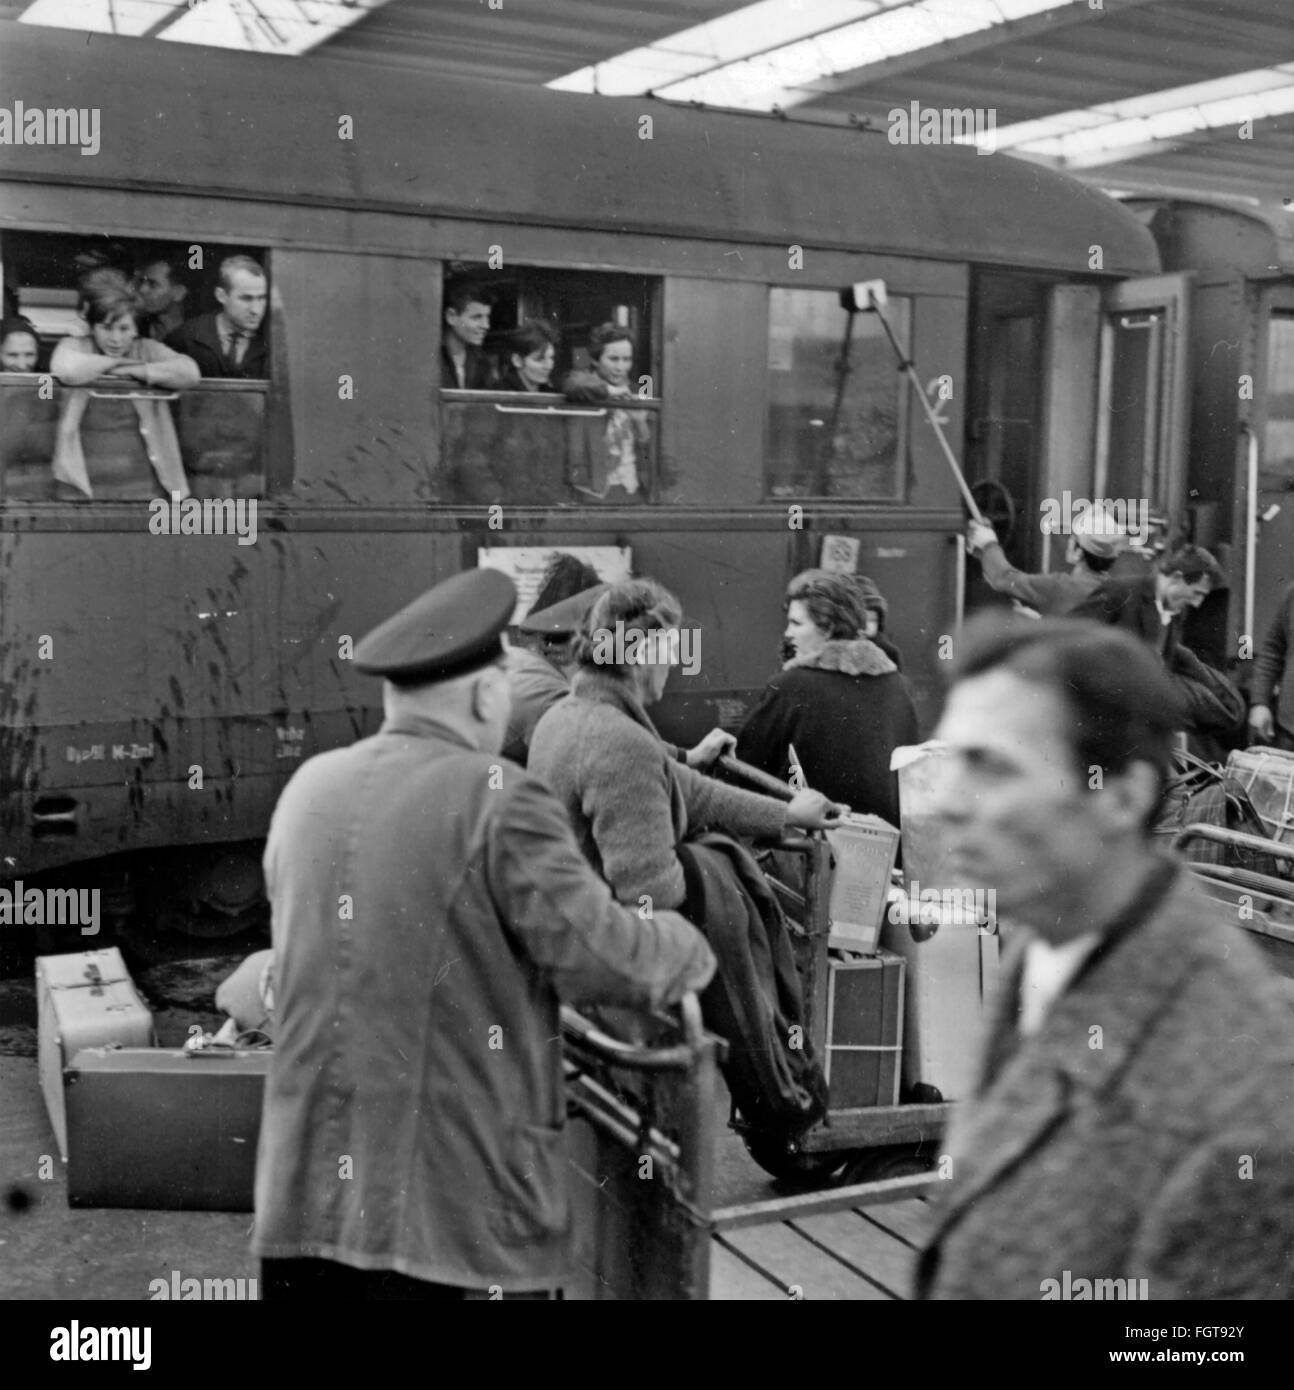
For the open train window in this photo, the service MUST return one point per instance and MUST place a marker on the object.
(73, 431)
(835, 412)
(549, 386)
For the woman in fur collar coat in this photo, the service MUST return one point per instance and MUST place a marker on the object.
(839, 699)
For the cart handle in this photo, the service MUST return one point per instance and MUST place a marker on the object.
(763, 781)
(1237, 839)
(631, 1056)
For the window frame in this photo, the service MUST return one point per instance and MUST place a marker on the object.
(902, 439)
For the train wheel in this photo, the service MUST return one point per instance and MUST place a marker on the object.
(781, 1158)
(210, 894)
(875, 1165)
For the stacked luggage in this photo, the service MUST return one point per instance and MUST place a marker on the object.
(140, 1125)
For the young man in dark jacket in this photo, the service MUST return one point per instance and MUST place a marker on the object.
(1152, 607)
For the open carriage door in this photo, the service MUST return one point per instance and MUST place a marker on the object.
(1142, 403)
(1265, 456)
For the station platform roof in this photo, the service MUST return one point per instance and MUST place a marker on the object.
(1158, 97)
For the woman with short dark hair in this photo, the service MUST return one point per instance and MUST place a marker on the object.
(122, 449)
(839, 701)
(531, 355)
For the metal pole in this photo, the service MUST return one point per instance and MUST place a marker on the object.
(1251, 530)
(906, 365)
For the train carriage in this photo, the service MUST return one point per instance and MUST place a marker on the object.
(157, 689)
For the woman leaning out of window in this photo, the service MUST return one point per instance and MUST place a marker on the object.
(126, 448)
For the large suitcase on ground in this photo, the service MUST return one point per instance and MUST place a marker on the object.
(86, 999)
(164, 1128)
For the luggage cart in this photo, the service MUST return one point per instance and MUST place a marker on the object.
(643, 1131)
(871, 1142)
(1263, 905)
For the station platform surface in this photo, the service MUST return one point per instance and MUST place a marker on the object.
(50, 1251)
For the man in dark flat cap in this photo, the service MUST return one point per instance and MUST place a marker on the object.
(430, 908)
(539, 677)
(537, 666)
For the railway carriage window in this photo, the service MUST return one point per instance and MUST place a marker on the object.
(151, 423)
(833, 433)
(532, 427)
(1278, 441)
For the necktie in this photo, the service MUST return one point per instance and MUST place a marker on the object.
(237, 347)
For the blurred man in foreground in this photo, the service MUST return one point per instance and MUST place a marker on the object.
(1132, 1120)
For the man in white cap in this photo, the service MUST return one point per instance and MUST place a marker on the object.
(1095, 542)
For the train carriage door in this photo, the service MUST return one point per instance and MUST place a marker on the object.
(1267, 535)
(1142, 402)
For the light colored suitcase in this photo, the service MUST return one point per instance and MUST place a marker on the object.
(952, 966)
(86, 999)
(952, 976)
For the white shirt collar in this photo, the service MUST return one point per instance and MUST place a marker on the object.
(1047, 970)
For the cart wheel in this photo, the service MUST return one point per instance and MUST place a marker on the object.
(875, 1165)
(779, 1157)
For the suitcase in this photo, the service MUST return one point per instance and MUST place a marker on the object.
(952, 975)
(864, 1031)
(164, 1128)
(952, 966)
(83, 1000)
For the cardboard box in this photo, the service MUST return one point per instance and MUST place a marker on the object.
(865, 1005)
(86, 999)
(163, 1128)
(864, 849)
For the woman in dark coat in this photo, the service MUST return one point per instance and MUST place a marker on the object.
(839, 700)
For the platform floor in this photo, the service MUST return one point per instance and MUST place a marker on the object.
(858, 1254)
(51, 1251)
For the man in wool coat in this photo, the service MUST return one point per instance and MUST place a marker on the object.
(1131, 1133)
